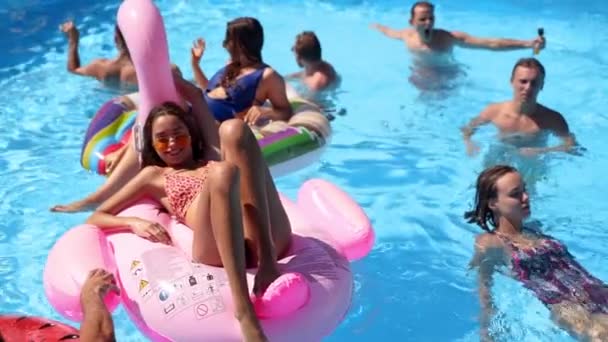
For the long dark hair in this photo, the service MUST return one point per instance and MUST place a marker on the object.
(149, 154)
(486, 191)
(244, 38)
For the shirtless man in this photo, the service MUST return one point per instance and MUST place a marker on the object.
(317, 74)
(118, 69)
(522, 120)
(423, 39)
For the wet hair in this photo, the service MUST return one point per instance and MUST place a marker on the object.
(308, 46)
(244, 38)
(529, 62)
(424, 4)
(149, 154)
(121, 43)
(485, 192)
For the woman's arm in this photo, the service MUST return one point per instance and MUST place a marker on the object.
(486, 258)
(276, 94)
(105, 217)
(197, 51)
(484, 283)
(205, 120)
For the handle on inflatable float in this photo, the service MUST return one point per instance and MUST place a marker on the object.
(63, 283)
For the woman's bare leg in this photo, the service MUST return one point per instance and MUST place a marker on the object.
(219, 205)
(239, 146)
(126, 169)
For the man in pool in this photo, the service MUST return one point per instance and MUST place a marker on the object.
(424, 40)
(118, 69)
(317, 74)
(523, 121)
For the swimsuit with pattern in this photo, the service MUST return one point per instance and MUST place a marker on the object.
(553, 274)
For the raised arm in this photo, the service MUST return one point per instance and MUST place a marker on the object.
(463, 39)
(205, 120)
(105, 217)
(467, 131)
(387, 31)
(95, 69)
(196, 53)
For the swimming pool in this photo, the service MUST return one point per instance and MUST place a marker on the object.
(398, 153)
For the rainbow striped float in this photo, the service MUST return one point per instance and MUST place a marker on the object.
(287, 147)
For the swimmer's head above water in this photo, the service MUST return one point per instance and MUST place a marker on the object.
(527, 79)
(422, 19)
(307, 48)
(500, 193)
(244, 40)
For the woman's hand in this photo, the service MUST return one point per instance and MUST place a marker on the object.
(74, 207)
(198, 50)
(254, 114)
(152, 231)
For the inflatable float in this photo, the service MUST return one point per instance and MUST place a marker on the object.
(170, 298)
(287, 147)
(17, 328)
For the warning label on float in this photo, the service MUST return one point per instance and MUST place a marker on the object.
(175, 284)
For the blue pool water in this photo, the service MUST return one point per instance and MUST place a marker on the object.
(397, 152)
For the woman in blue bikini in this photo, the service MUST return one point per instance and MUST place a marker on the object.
(578, 301)
(239, 89)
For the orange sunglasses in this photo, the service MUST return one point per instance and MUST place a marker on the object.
(180, 141)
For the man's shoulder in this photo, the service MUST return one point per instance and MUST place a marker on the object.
(495, 108)
(407, 33)
(544, 110)
(552, 118)
(443, 32)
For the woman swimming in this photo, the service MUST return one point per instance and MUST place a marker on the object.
(578, 301)
(239, 89)
(230, 203)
